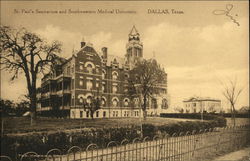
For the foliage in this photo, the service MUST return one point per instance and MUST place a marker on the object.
(23, 52)
(143, 79)
(7, 107)
(41, 143)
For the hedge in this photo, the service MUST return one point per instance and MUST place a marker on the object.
(12, 145)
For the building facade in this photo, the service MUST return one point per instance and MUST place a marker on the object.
(198, 104)
(89, 73)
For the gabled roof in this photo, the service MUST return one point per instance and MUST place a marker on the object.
(192, 99)
(112, 58)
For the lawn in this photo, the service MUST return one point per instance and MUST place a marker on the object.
(22, 124)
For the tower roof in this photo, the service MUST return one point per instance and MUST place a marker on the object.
(134, 31)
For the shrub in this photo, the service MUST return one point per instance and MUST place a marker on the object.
(41, 143)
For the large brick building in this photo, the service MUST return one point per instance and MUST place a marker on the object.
(89, 73)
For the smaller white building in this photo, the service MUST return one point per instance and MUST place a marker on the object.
(199, 104)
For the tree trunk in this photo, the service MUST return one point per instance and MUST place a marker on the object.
(233, 115)
(144, 108)
(33, 106)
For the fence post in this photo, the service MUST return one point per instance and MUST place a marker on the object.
(194, 142)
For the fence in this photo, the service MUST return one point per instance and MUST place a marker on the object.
(195, 145)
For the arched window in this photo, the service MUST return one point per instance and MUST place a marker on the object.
(126, 102)
(89, 99)
(81, 100)
(89, 68)
(103, 102)
(114, 75)
(126, 76)
(115, 102)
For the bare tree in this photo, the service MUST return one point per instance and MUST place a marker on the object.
(231, 92)
(23, 52)
(143, 81)
(93, 104)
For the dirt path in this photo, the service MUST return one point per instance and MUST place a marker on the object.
(240, 155)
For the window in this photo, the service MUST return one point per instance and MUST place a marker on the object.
(89, 68)
(80, 82)
(89, 99)
(164, 104)
(87, 114)
(103, 102)
(89, 84)
(153, 103)
(103, 74)
(126, 101)
(103, 87)
(126, 76)
(125, 89)
(104, 113)
(114, 75)
(114, 89)
(97, 113)
(113, 113)
(81, 114)
(115, 102)
(81, 100)
(116, 113)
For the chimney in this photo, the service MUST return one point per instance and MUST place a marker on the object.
(105, 52)
(83, 43)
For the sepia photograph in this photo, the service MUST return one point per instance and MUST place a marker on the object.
(124, 80)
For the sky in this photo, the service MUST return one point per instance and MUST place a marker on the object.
(199, 50)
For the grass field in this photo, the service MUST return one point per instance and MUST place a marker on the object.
(238, 121)
(22, 124)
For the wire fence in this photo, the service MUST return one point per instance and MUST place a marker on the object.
(195, 145)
